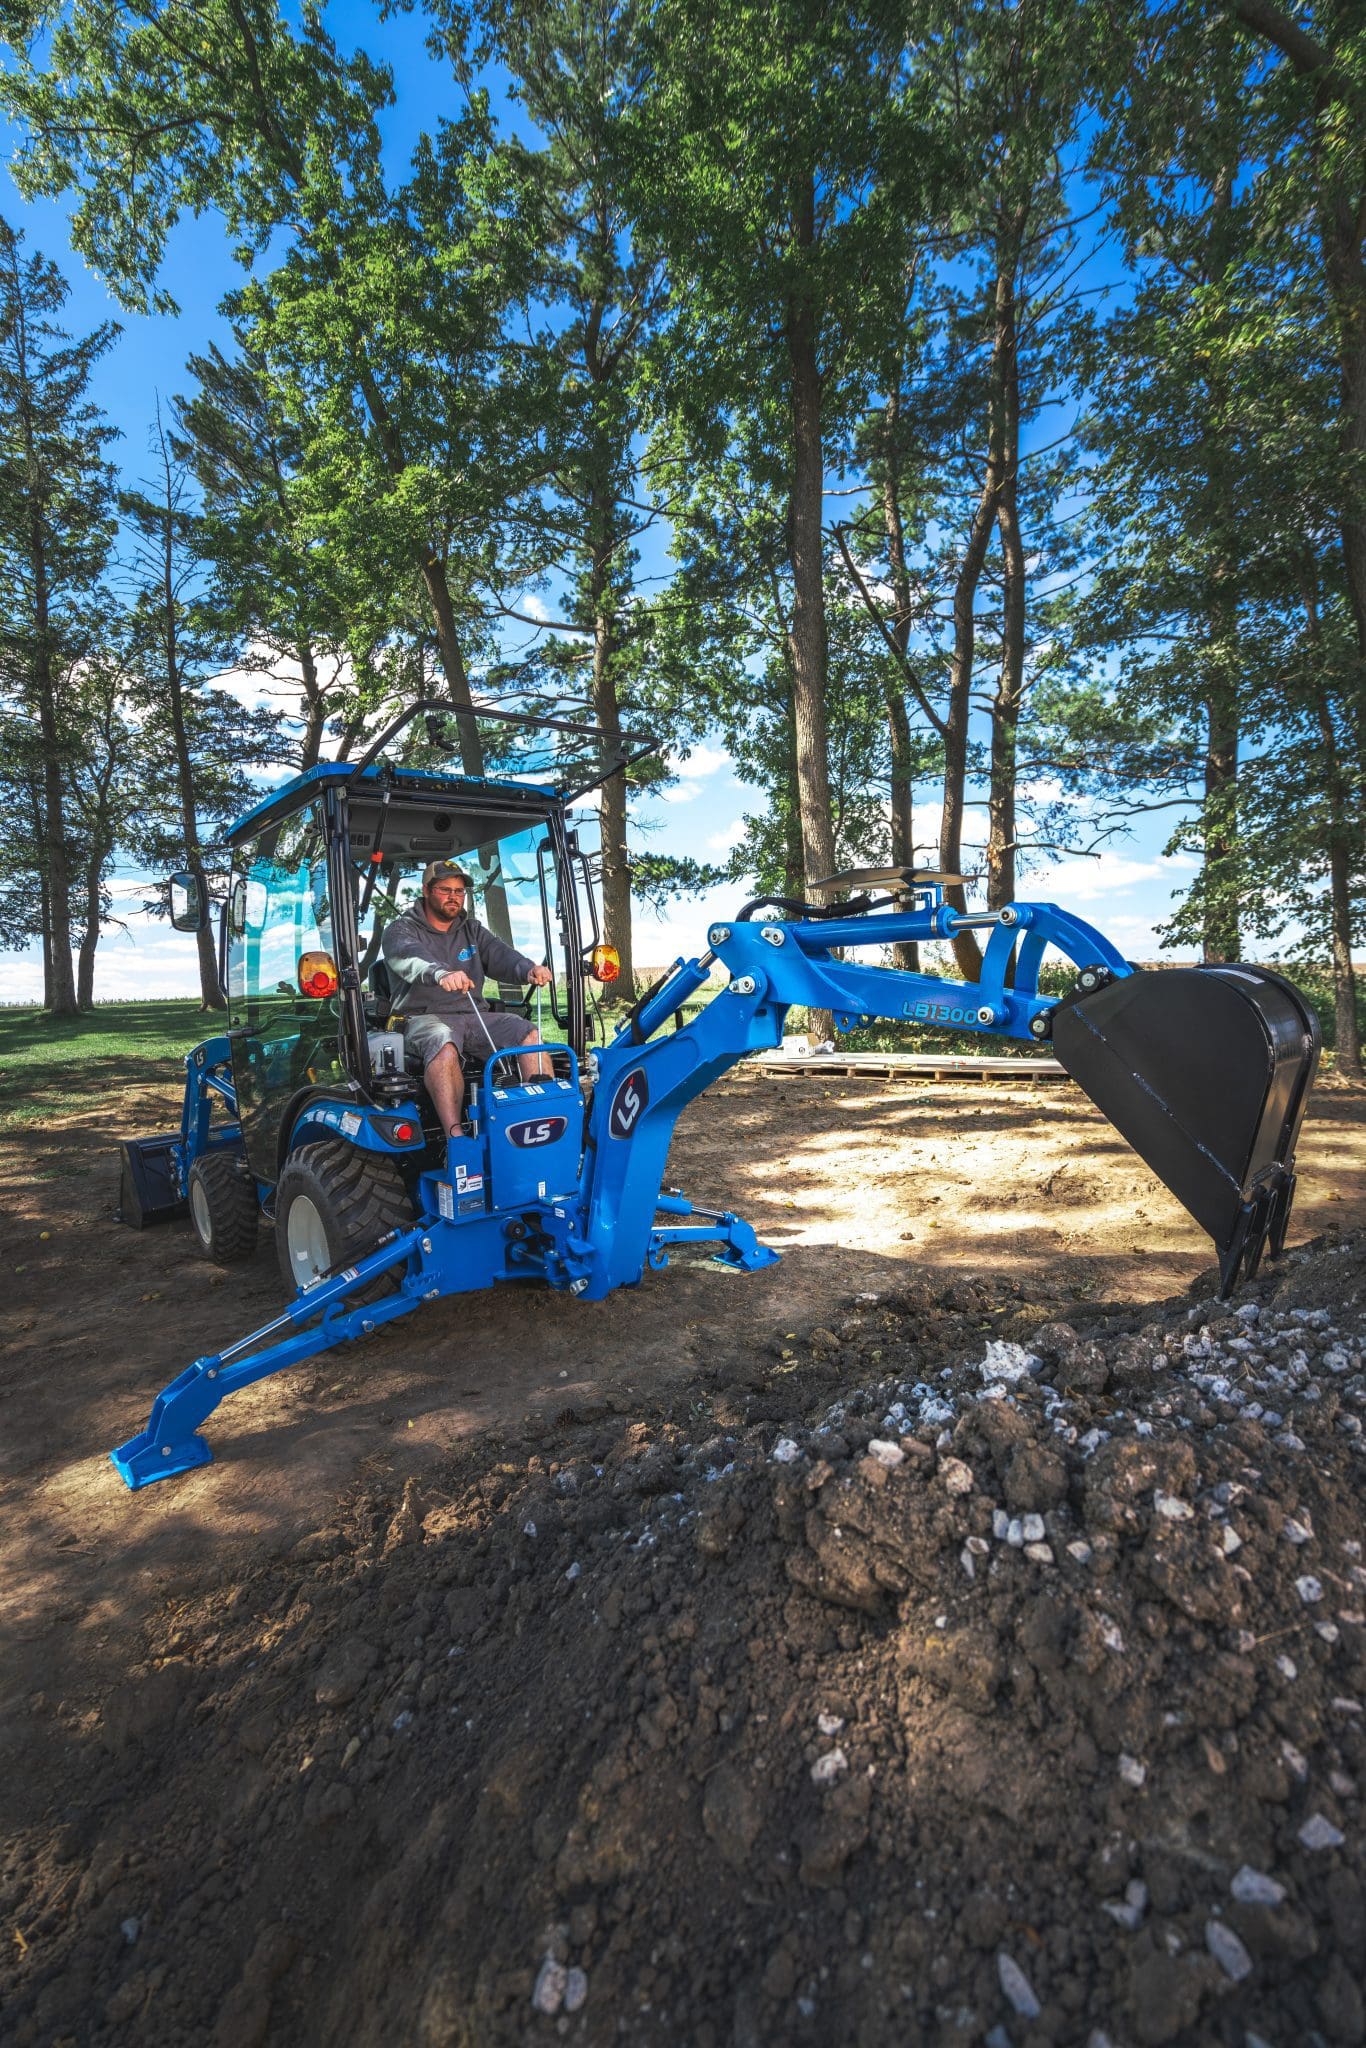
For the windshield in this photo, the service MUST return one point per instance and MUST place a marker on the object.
(507, 877)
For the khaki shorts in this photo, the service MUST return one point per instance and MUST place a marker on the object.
(469, 1035)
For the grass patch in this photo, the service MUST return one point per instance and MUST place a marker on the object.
(52, 1066)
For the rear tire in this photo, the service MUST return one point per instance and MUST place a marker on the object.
(333, 1205)
(224, 1211)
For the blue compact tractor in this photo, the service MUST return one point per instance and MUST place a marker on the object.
(306, 1117)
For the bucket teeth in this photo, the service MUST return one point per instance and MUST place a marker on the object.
(1205, 1071)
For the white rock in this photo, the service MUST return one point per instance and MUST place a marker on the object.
(1231, 1541)
(1299, 1763)
(957, 1476)
(1017, 1987)
(888, 1454)
(572, 1572)
(1344, 1786)
(1080, 1551)
(785, 1452)
(1254, 1888)
(1309, 1589)
(1033, 1528)
(1327, 1630)
(978, 1546)
(968, 1562)
(575, 1989)
(1128, 1912)
(1132, 1771)
(1110, 1636)
(1174, 1509)
(1318, 1832)
(1039, 1553)
(130, 1929)
(1296, 1532)
(829, 1767)
(550, 1987)
(1015, 1533)
(1000, 1524)
(1342, 1705)
(1287, 1666)
(830, 1724)
(1228, 1952)
(1010, 1362)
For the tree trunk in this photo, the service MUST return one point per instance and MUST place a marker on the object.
(61, 984)
(315, 707)
(966, 951)
(1340, 903)
(1222, 936)
(806, 556)
(1009, 697)
(210, 992)
(90, 938)
(615, 857)
(905, 953)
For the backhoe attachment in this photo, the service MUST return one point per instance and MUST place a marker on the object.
(1205, 1071)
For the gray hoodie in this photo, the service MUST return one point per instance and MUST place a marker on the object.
(417, 955)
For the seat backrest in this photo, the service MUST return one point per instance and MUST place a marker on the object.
(381, 981)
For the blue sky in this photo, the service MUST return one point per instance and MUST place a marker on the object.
(1127, 891)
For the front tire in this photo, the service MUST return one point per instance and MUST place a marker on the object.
(333, 1205)
(224, 1211)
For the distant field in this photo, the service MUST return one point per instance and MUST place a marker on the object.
(49, 1064)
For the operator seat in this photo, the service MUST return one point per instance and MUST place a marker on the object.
(382, 993)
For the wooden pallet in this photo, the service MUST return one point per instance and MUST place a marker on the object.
(905, 1066)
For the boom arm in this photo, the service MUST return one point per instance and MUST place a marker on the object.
(1204, 1071)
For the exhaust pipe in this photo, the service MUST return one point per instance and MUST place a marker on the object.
(1205, 1071)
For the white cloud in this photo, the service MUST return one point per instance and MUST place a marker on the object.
(725, 841)
(1087, 881)
(534, 607)
(701, 764)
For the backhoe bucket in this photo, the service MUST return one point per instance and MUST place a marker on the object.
(1205, 1071)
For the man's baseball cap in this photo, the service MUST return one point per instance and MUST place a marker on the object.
(443, 871)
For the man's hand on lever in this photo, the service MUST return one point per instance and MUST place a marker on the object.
(455, 982)
(539, 977)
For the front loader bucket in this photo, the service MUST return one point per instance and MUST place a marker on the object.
(149, 1188)
(1205, 1071)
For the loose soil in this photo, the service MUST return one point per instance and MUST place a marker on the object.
(693, 1667)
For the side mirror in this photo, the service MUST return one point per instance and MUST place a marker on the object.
(189, 903)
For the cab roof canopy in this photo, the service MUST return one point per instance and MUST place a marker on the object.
(534, 764)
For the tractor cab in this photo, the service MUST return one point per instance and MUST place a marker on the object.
(314, 1050)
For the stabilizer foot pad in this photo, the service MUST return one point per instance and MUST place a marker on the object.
(142, 1460)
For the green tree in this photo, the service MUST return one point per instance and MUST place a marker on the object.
(777, 155)
(56, 526)
(275, 595)
(197, 743)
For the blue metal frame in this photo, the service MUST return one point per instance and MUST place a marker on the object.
(541, 1190)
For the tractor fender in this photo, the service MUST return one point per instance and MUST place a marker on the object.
(316, 1114)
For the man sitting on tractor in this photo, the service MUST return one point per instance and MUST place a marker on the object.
(438, 955)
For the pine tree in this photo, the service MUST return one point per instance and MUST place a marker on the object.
(56, 526)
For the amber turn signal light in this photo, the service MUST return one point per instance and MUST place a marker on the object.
(317, 974)
(606, 963)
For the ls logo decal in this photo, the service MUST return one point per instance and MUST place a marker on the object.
(541, 1131)
(631, 1097)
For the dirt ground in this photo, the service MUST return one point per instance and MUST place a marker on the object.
(216, 1814)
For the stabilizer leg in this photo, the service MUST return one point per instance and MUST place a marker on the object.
(171, 1443)
(735, 1240)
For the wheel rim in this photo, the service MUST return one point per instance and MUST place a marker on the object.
(199, 1213)
(306, 1241)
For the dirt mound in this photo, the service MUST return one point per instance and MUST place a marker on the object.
(957, 1673)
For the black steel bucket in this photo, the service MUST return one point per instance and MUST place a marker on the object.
(1205, 1071)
